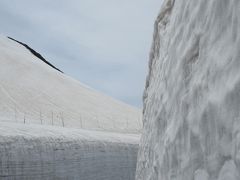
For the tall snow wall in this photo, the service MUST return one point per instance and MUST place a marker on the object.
(192, 96)
(33, 152)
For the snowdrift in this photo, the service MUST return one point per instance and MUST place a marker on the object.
(192, 96)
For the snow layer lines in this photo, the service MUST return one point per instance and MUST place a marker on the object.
(31, 92)
(192, 96)
(47, 152)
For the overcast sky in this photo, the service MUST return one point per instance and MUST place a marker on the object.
(102, 43)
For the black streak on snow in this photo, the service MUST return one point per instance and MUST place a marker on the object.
(36, 54)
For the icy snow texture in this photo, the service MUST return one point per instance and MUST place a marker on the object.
(33, 92)
(47, 152)
(192, 96)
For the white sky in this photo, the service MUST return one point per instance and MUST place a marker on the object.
(102, 43)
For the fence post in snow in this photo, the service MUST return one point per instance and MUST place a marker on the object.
(41, 116)
(24, 118)
(62, 119)
(52, 118)
(81, 121)
(15, 112)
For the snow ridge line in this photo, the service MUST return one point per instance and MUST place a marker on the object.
(36, 54)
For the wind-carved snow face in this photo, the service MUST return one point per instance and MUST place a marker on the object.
(236, 142)
(192, 96)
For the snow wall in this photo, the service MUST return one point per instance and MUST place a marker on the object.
(192, 96)
(45, 152)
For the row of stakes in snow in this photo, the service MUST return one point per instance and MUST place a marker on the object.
(60, 119)
(25, 115)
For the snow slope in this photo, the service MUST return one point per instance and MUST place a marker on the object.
(47, 152)
(36, 100)
(192, 96)
(33, 92)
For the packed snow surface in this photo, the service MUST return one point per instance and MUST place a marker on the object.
(42, 152)
(32, 92)
(192, 96)
(40, 106)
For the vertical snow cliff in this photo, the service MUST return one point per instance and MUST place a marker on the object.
(192, 96)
